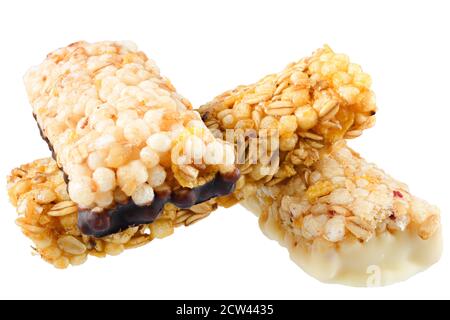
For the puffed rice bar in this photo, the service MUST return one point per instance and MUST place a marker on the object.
(345, 221)
(126, 140)
(49, 218)
(290, 116)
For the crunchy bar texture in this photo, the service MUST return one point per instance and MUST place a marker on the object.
(117, 127)
(343, 215)
(49, 218)
(310, 104)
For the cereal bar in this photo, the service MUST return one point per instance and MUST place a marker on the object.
(285, 119)
(127, 142)
(344, 219)
(48, 216)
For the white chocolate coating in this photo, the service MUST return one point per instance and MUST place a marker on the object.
(348, 222)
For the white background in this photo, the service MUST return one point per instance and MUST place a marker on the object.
(205, 48)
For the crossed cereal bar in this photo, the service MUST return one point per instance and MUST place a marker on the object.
(291, 116)
(127, 142)
(49, 218)
(343, 220)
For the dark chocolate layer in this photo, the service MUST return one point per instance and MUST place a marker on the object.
(121, 217)
(50, 147)
(124, 216)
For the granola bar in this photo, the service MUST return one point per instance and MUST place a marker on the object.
(343, 219)
(127, 142)
(285, 119)
(48, 216)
